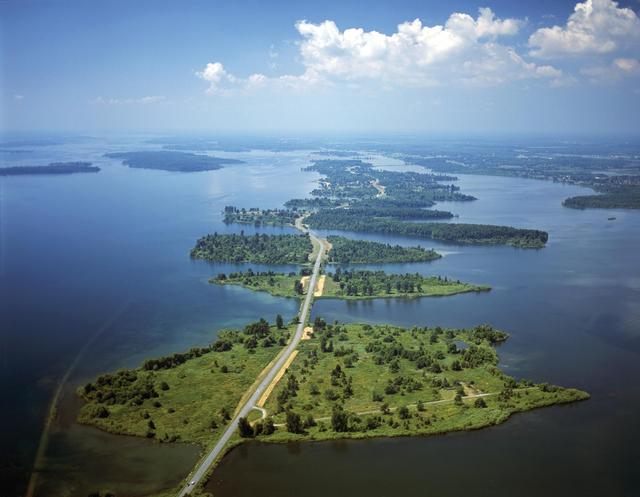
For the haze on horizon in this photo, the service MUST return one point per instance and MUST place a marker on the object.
(420, 67)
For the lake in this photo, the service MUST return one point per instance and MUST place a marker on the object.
(102, 259)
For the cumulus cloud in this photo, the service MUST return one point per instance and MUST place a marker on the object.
(617, 70)
(595, 27)
(222, 82)
(464, 51)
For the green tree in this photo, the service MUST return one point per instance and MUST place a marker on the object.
(245, 430)
(279, 322)
(294, 423)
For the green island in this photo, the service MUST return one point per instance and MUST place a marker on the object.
(259, 217)
(612, 173)
(358, 380)
(354, 196)
(258, 248)
(348, 251)
(52, 168)
(186, 397)
(477, 234)
(347, 381)
(618, 192)
(348, 284)
(171, 160)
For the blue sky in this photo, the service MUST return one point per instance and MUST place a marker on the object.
(404, 66)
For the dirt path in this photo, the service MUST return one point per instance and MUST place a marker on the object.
(320, 286)
(381, 189)
(276, 379)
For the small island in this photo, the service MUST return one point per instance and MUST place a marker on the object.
(171, 161)
(258, 248)
(464, 234)
(346, 381)
(351, 285)
(52, 168)
(348, 251)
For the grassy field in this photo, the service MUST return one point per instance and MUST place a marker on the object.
(354, 285)
(193, 399)
(388, 381)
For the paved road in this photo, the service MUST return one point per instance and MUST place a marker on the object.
(251, 402)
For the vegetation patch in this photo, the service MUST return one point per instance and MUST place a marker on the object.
(171, 161)
(258, 248)
(357, 380)
(345, 284)
(52, 168)
(348, 251)
(187, 397)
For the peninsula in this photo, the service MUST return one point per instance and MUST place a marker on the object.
(166, 160)
(52, 168)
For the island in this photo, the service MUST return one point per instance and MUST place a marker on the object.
(171, 160)
(457, 233)
(348, 284)
(258, 248)
(349, 251)
(616, 192)
(52, 168)
(354, 196)
(186, 397)
(345, 381)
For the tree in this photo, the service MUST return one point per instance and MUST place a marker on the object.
(279, 322)
(245, 430)
(339, 419)
(268, 427)
(403, 412)
(151, 425)
(294, 423)
(164, 386)
(480, 403)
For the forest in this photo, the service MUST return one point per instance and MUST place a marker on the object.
(171, 160)
(349, 284)
(52, 168)
(348, 251)
(258, 248)
(259, 217)
(483, 234)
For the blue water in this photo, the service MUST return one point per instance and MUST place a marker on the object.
(573, 312)
(105, 256)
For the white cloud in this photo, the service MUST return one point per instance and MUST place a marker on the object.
(619, 69)
(595, 27)
(463, 51)
(223, 83)
(152, 99)
(18, 97)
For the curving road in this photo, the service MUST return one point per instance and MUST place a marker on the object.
(206, 463)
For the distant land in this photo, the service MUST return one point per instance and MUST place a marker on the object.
(171, 161)
(53, 168)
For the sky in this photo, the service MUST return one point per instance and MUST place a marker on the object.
(546, 67)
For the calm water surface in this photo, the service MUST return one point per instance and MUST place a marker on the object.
(573, 312)
(104, 257)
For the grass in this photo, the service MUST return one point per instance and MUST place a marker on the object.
(198, 391)
(282, 285)
(368, 376)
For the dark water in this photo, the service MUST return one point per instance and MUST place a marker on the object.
(573, 311)
(105, 256)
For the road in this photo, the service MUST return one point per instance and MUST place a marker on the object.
(206, 463)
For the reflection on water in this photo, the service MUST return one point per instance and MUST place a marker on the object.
(572, 310)
(77, 250)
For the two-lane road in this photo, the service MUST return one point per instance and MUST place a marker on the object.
(206, 463)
